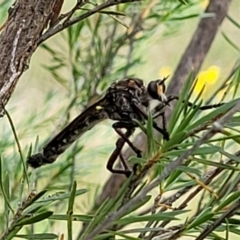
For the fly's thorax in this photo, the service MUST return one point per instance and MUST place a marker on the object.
(123, 95)
(132, 87)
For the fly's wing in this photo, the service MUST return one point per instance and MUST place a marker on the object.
(82, 123)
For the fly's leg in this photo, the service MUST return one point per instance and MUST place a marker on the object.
(158, 111)
(206, 107)
(123, 161)
(113, 158)
(130, 127)
(159, 108)
(124, 138)
(117, 153)
(163, 130)
(162, 115)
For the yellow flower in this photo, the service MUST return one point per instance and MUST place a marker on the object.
(165, 71)
(208, 79)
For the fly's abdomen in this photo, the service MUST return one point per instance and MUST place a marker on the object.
(84, 122)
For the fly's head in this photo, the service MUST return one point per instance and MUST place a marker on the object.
(156, 90)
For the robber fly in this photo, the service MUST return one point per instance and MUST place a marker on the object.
(124, 101)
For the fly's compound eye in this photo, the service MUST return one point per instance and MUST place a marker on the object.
(152, 89)
(156, 90)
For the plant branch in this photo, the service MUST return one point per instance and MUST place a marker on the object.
(24, 204)
(18, 40)
(70, 22)
(226, 215)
